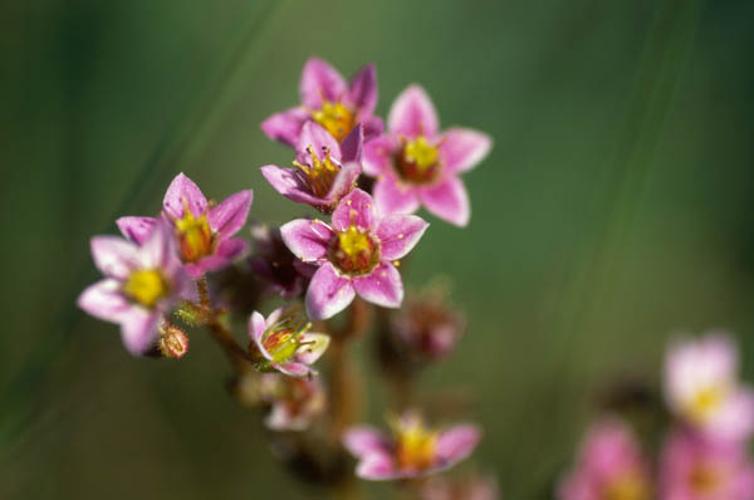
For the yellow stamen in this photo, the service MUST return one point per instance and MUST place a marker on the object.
(194, 235)
(283, 339)
(146, 287)
(417, 162)
(630, 485)
(355, 252)
(705, 403)
(320, 173)
(336, 118)
(415, 444)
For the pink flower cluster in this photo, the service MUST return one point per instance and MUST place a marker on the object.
(705, 454)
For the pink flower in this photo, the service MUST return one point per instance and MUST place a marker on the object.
(355, 254)
(203, 231)
(416, 164)
(330, 101)
(320, 177)
(294, 402)
(694, 468)
(283, 342)
(412, 450)
(703, 390)
(609, 465)
(141, 284)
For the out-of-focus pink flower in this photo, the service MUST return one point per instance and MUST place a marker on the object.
(276, 264)
(412, 450)
(416, 164)
(693, 467)
(294, 402)
(327, 99)
(703, 390)
(284, 343)
(204, 232)
(609, 466)
(472, 487)
(141, 284)
(321, 176)
(355, 254)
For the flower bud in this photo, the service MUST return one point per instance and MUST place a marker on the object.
(173, 342)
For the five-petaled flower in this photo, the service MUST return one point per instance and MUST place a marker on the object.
(413, 450)
(416, 164)
(283, 342)
(703, 390)
(330, 101)
(204, 232)
(141, 284)
(321, 176)
(355, 254)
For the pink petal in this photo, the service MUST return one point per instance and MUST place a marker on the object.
(393, 197)
(114, 256)
(399, 234)
(227, 218)
(363, 92)
(256, 329)
(413, 114)
(139, 330)
(136, 229)
(183, 191)
(294, 369)
(328, 293)
(287, 182)
(457, 443)
(378, 155)
(317, 139)
(355, 209)
(353, 145)
(104, 300)
(364, 440)
(462, 148)
(316, 345)
(159, 250)
(285, 127)
(308, 239)
(225, 253)
(320, 81)
(448, 200)
(344, 182)
(383, 286)
(378, 467)
(373, 126)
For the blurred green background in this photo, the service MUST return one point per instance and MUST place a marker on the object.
(615, 209)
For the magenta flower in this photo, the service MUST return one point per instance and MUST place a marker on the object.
(355, 255)
(320, 177)
(330, 101)
(694, 468)
(412, 450)
(141, 284)
(283, 342)
(416, 164)
(203, 231)
(609, 465)
(703, 390)
(294, 402)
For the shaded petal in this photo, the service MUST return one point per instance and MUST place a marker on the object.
(227, 218)
(735, 420)
(448, 200)
(362, 94)
(139, 330)
(457, 443)
(357, 208)
(225, 253)
(328, 293)
(103, 300)
(257, 327)
(308, 239)
(316, 345)
(184, 190)
(399, 234)
(286, 126)
(136, 229)
(378, 155)
(365, 440)
(373, 126)
(114, 256)
(378, 467)
(294, 369)
(462, 148)
(320, 81)
(159, 250)
(382, 287)
(319, 140)
(344, 183)
(353, 144)
(287, 182)
(413, 114)
(393, 197)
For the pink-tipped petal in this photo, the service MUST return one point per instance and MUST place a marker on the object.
(286, 126)
(393, 197)
(308, 239)
(373, 127)
(362, 94)
(448, 200)
(104, 300)
(294, 369)
(353, 145)
(320, 81)
(139, 330)
(377, 467)
(462, 149)
(317, 139)
(287, 182)
(114, 256)
(355, 209)
(457, 443)
(314, 346)
(345, 181)
(136, 229)
(158, 251)
(227, 218)
(383, 286)
(399, 234)
(413, 114)
(365, 440)
(181, 192)
(257, 327)
(328, 293)
(378, 155)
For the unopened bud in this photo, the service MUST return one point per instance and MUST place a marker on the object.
(173, 342)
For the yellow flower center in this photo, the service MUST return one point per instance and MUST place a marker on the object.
(146, 287)
(705, 403)
(354, 251)
(194, 236)
(630, 485)
(417, 162)
(415, 445)
(336, 118)
(320, 173)
(283, 339)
